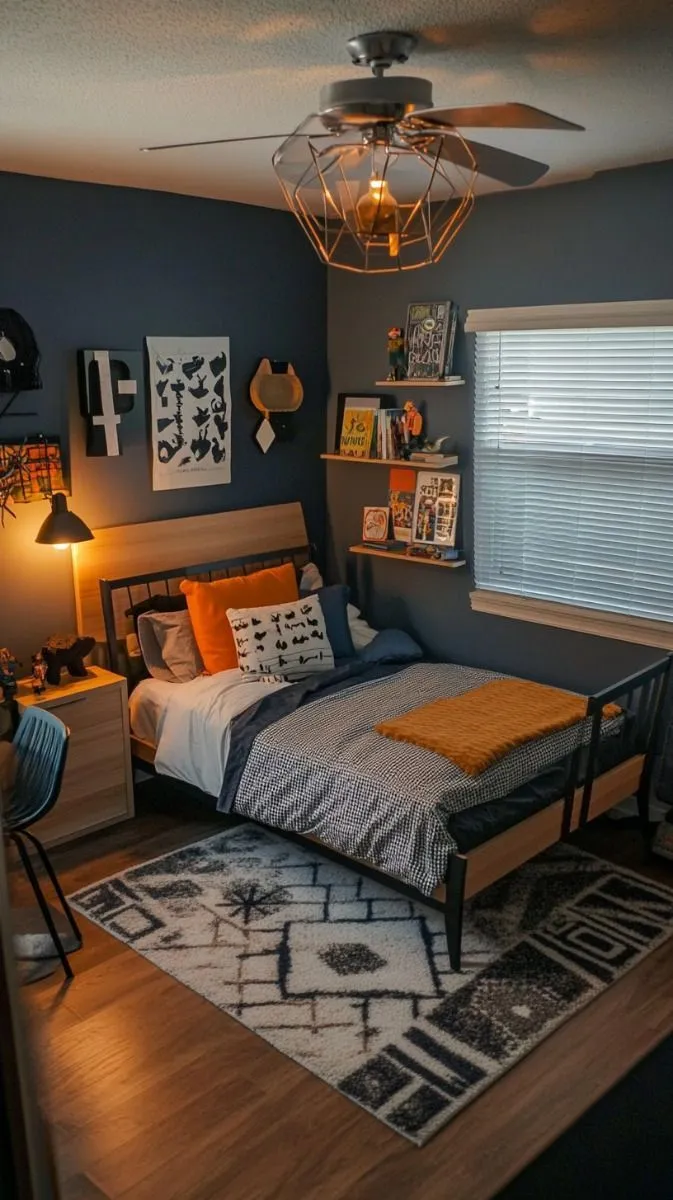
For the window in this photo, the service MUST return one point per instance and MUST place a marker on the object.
(573, 456)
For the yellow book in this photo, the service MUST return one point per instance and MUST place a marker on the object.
(357, 431)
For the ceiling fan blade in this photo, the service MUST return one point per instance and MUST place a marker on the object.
(496, 116)
(259, 137)
(502, 165)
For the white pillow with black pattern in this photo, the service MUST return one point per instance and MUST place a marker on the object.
(282, 639)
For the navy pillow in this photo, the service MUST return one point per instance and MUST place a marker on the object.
(161, 603)
(391, 645)
(334, 601)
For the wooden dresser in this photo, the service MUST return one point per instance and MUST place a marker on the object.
(97, 785)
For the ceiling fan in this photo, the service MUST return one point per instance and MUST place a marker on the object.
(371, 135)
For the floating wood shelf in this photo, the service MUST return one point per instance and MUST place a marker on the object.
(425, 383)
(408, 558)
(449, 460)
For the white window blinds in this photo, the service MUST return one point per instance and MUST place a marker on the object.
(573, 462)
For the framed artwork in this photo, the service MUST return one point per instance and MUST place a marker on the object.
(108, 385)
(375, 524)
(190, 406)
(36, 466)
(352, 400)
(436, 508)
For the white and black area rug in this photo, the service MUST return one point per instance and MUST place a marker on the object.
(353, 982)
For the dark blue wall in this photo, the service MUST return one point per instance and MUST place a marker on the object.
(98, 267)
(609, 238)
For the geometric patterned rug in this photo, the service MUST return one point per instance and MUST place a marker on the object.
(353, 982)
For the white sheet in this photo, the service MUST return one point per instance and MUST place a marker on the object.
(189, 723)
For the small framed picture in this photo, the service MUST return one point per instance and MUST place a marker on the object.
(436, 509)
(352, 400)
(375, 524)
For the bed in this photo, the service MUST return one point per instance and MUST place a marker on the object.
(305, 760)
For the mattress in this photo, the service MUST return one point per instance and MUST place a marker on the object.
(189, 723)
(147, 708)
(323, 770)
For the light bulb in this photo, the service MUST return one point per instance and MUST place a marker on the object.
(377, 214)
(61, 545)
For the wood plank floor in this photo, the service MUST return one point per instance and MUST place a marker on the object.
(154, 1094)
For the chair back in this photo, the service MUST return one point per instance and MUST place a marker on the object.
(41, 746)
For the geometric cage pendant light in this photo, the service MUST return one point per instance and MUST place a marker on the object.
(379, 178)
(377, 199)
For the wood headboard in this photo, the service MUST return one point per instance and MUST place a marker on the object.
(123, 551)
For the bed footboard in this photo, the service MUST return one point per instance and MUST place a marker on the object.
(588, 794)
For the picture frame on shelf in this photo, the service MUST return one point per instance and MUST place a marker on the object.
(375, 522)
(436, 509)
(353, 400)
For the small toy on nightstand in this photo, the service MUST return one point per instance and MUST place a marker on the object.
(69, 651)
(8, 668)
(39, 674)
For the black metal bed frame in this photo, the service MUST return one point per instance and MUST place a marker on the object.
(641, 695)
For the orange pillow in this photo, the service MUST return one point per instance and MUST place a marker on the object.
(208, 604)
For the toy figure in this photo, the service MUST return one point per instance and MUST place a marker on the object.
(412, 422)
(8, 669)
(397, 368)
(39, 673)
(69, 651)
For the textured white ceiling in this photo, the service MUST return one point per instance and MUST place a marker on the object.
(85, 83)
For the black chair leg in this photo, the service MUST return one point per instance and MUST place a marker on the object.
(44, 907)
(46, 863)
(453, 907)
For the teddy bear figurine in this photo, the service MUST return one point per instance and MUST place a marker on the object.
(66, 651)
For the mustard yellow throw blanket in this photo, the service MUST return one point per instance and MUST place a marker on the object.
(481, 726)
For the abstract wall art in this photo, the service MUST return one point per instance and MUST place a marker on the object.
(190, 412)
(108, 384)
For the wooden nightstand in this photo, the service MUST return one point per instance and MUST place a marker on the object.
(97, 785)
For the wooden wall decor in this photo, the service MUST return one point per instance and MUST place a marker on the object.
(127, 550)
(276, 391)
(108, 385)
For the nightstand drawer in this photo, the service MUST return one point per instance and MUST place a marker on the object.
(97, 784)
(86, 710)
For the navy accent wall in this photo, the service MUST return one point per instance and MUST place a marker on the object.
(101, 267)
(607, 238)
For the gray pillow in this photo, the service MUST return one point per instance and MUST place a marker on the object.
(169, 647)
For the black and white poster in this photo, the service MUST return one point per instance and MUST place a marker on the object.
(191, 412)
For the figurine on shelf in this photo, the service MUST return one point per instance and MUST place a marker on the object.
(8, 668)
(397, 367)
(66, 652)
(39, 675)
(412, 424)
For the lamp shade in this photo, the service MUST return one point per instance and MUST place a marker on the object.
(61, 527)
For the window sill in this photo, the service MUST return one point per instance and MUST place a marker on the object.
(568, 616)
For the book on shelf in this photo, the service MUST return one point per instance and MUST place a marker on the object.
(430, 338)
(393, 544)
(429, 459)
(352, 401)
(401, 496)
(357, 432)
(436, 553)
